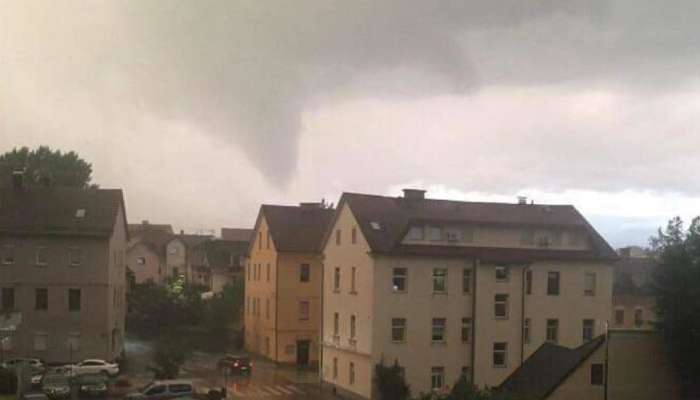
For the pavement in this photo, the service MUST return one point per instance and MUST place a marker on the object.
(267, 380)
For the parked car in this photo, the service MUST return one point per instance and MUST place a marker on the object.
(35, 363)
(92, 385)
(56, 386)
(95, 366)
(66, 370)
(234, 364)
(34, 396)
(166, 389)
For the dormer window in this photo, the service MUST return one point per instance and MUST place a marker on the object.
(416, 233)
(80, 213)
(75, 256)
(453, 235)
(435, 233)
(375, 225)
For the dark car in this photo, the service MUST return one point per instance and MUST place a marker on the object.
(34, 396)
(236, 365)
(56, 386)
(163, 390)
(92, 385)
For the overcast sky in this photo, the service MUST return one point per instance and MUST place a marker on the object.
(202, 110)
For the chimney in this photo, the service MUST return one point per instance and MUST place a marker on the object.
(522, 199)
(414, 194)
(17, 179)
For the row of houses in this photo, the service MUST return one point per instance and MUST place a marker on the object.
(446, 288)
(156, 254)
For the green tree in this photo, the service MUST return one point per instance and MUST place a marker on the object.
(46, 167)
(222, 311)
(465, 390)
(391, 382)
(170, 353)
(677, 291)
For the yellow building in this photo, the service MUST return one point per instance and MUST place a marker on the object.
(283, 283)
(450, 288)
(633, 298)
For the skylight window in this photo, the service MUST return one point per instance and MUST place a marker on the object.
(375, 225)
(80, 213)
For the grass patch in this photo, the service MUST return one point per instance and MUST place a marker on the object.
(7, 397)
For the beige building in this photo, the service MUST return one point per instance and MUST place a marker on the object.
(180, 258)
(62, 273)
(638, 369)
(450, 288)
(633, 300)
(145, 254)
(283, 283)
(217, 263)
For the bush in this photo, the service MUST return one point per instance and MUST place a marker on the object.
(391, 382)
(170, 354)
(8, 381)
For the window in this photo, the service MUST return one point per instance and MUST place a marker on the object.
(453, 235)
(248, 271)
(398, 330)
(337, 237)
(41, 256)
(501, 306)
(619, 316)
(597, 376)
(500, 354)
(353, 272)
(41, 341)
(304, 310)
(468, 235)
(351, 373)
(140, 260)
(41, 299)
(267, 272)
(353, 320)
(73, 341)
(75, 257)
(437, 378)
(172, 250)
(528, 281)
(589, 289)
(8, 298)
(501, 273)
(435, 233)
(267, 242)
(466, 329)
(439, 280)
(526, 330)
(553, 283)
(159, 389)
(8, 254)
(527, 237)
(267, 308)
(336, 280)
(353, 235)
(336, 324)
(259, 240)
(556, 237)
(80, 213)
(552, 330)
(247, 305)
(73, 299)
(438, 332)
(335, 368)
(304, 272)
(180, 388)
(400, 276)
(466, 280)
(267, 345)
(638, 317)
(416, 233)
(588, 329)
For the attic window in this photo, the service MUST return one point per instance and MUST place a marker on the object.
(375, 225)
(80, 213)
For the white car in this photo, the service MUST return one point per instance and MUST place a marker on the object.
(34, 363)
(95, 366)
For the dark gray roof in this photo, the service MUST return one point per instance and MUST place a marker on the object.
(394, 215)
(54, 211)
(236, 234)
(137, 229)
(297, 228)
(548, 367)
(219, 253)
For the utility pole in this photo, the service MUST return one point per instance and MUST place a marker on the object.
(607, 345)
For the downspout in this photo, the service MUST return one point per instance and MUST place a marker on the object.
(607, 344)
(522, 314)
(474, 286)
(277, 304)
(321, 337)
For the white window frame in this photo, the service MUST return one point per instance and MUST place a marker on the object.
(505, 273)
(440, 274)
(416, 233)
(589, 291)
(504, 301)
(587, 331)
(399, 273)
(336, 279)
(71, 261)
(503, 351)
(353, 278)
(39, 250)
(435, 233)
(615, 321)
(527, 330)
(8, 249)
(438, 325)
(437, 378)
(553, 328)
(399, 325)
(466, 328)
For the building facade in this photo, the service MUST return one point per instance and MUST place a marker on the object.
(449, 288)
(145, 254)
(633, 298)
(62, 273)
(283, 283)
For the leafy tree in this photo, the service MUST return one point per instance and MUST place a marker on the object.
(677, 291)
(153, 308)
(223, 310)
(8, 381)
(46, 167)
(170, 354)
(465, 390)
(391, 382)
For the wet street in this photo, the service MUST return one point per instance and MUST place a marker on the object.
(267, 380)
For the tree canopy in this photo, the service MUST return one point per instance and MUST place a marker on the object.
(46, 167)
(677, 291)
